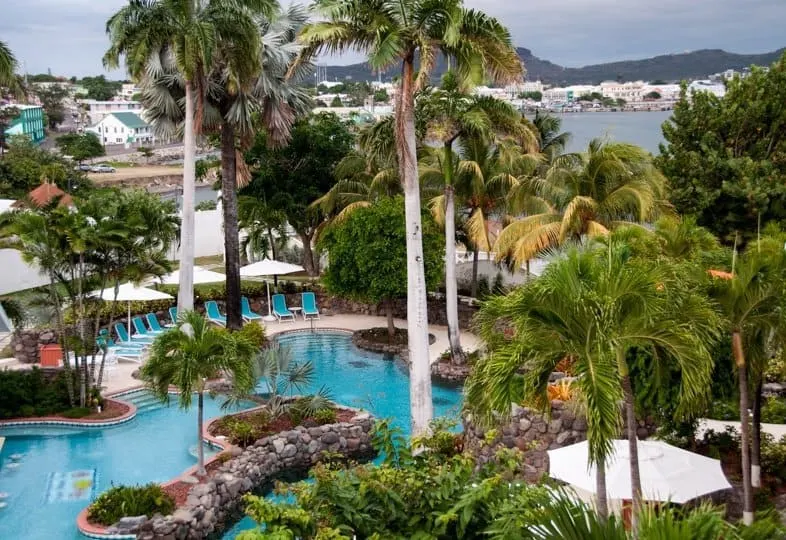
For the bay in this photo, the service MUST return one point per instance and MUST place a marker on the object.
(639, 128)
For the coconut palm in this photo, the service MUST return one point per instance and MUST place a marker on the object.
(260, 221)
(453, 116)
(395, 32)
(8, 67)
(582, 196)
(551, 142)
(189, 35)
(750, 301)
(594, 307)
(190, 354)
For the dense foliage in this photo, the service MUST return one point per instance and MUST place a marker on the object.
(367, 253)
(122, 501)
(99, 88)
(726, 157)
(80, 146)
(30, 393)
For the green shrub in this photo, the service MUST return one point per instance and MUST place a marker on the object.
(254, 332)
(724, 410)
(206, 205)
(241, 432)
(774, 411)
(773, 457)
(483, 287)
(326, 416)
(289, 287)
(125, 501)
(28, 393)
(76, 412)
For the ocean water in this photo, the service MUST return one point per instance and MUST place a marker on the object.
(639, 128)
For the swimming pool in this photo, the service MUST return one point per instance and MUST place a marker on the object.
(56, 470)
(62, 468)
(359, 378)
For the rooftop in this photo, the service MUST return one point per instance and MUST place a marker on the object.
(129, 119)
(43, 195)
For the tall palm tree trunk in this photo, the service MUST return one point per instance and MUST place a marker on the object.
(474, 287)
(601, 498)
(633, 446)
(185, 294)
(421, 406)
(745, 441)
(389, 315)
(451, 287)
(200, 446)
(309, 264)
(231, 235)
(756, 435)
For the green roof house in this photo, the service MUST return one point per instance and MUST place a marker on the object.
(126, 128)
(29, 122)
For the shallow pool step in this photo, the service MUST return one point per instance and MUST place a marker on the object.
(144, 401)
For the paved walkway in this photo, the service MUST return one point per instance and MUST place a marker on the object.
(705, 424)
(119, 378)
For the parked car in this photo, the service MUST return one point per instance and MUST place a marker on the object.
(83, 167)
(102, 169)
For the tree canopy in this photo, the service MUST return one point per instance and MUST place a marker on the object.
(25, 165)
(99, 88)
(52, 101)
(80, 146)
(367, 252)
(726, 157)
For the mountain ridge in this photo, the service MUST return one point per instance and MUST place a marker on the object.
(666, 67)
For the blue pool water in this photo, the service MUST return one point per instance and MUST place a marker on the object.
(50, 483)
(360, 379)
(57, 471)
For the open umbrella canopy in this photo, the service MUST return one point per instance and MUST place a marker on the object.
(668, 473)
(269, 267)
(201, 275)
(128, 292)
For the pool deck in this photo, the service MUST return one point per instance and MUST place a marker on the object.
(119, 378)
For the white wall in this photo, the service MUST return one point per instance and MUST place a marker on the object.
(209, 240)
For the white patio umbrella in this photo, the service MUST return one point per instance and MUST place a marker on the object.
(201, 275)
(128, 292)
(668, 473)
(269, 267)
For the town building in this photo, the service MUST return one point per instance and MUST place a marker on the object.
(717, 88)
(126, 128)
(629, 91)
(128, 91)
(97, 110)
(29, 122)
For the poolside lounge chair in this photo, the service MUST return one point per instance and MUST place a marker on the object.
(104, 336)
(246, 313)
(141, 329)
(309, 303)
(114, 352)
(152, 322)
(280, 309)
(213, 314)
(124, 337)
(173, 316)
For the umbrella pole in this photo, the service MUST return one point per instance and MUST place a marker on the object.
(129, 319)
(270, 316)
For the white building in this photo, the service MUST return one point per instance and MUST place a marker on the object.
(629, 91)
(125, 128)
(668, 92)
(127, 91)
(97, 110)
(719, 89)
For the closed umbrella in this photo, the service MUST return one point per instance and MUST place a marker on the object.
(668, 473)
(128, 292)
(269, 267)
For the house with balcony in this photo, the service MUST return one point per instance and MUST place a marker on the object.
(126, 128)
(97, 110)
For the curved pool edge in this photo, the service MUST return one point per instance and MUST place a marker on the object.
(97, 531)
(127, 416)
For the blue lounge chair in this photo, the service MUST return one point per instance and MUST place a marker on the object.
(309, 303)
(152, 322)
(246, 313)
(141, 329)
(213, 314)
(280, 309)
(104, 336)
(173, 317)
(122, 335)
(126, 353)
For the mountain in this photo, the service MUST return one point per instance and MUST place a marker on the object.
(668, 67)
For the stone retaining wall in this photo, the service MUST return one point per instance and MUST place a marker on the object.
(534, 433)
(26, 343)
(211, 506)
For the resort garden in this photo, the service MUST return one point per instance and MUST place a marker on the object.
(186, 394)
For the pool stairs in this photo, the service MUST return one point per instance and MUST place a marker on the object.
(144, 401)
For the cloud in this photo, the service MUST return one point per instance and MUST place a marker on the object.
(68, 35)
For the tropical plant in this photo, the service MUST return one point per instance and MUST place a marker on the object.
(192, 353)
(188, 36)
(125, 501)
(367, 254)
(394, 33)
(750, 299)
(264, 225)
(455, 115)
(551, 142)
(594, 307)
(8, 66)
(581, 196)
(241, 97)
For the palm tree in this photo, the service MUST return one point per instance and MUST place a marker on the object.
(551, 142)
(454, 115)
(155, 34)
(239, 100)
(190, 354)
(395, 32)
(260, 220)
(582, 196)
(750, 301)
(594, 307)
(8, 67)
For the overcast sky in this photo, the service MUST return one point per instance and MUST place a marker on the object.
(67, 36)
